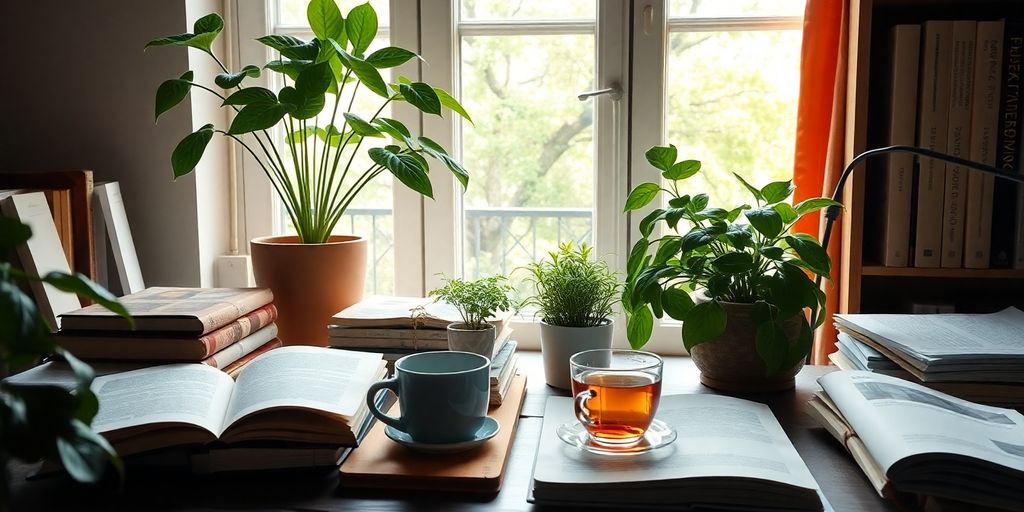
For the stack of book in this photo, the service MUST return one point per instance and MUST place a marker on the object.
(399, 326)
(976, 357)
(225, 328)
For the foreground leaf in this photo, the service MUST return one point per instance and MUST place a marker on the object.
(421, 96)
(639, 327)
(407, 169)
(361, 27)
(703, 323)
(256, 116)
(85, 287)
(325, 19)
(190, 150)
(453, 104)
(643, 194)
(229, 80)
(171, 92)
(390, 57)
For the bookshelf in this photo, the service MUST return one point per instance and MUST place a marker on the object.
(866, 285)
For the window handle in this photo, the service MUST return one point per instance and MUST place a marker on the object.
(614, 92)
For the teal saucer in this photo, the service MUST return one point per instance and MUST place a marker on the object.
(486, 431)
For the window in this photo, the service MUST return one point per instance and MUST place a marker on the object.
(718, 79)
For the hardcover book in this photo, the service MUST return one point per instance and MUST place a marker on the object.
(932, 124)
(958, 142)
(905, 41)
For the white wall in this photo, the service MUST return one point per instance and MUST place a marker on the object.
(78, 94)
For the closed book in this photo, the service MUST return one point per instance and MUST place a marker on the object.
(126, 262)
(961, 89)
(404, 312)
(242, 347)
(933, 118)
(192, 311)
(988, 62)
(1008, 147)
(905, 42)
(122, 346)
(234, 368)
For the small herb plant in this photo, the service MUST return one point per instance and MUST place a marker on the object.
(757, 262)
(571, 289)
(476, 300)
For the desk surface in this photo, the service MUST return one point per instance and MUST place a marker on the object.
(839, 477)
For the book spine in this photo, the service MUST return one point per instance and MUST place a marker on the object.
(961, 85)
(235, 367)
(1008, 146)
(243, 347)
(933, 116)
(238, 307)
(905, 47)
(988, 69)
(239, 329)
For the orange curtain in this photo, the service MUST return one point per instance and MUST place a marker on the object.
(821, 117)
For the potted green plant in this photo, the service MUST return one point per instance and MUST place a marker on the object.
(746, 326)
(574, 295)
(42, 421)
(476, 300)
(311, 159)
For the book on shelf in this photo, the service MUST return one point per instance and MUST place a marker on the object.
(110, 204)
(905, 41)
(731, 454)
(988, 62)
(156, 346)
(404, 312)
(958, 132)
(291, 394)
(933, 117)
(192, 311)
(1007, 217)
(911, 439)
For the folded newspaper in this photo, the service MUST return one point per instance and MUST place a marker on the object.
(911, 439)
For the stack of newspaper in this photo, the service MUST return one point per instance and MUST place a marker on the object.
(977, 357)
(399, 326)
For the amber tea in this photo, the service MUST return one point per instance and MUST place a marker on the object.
(617, 393)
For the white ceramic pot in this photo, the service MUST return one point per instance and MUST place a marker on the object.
(558, 344)
(477, 341)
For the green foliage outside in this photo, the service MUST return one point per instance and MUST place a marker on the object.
(571, 288)
(476, 300)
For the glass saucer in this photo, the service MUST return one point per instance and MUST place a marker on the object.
(658, 435)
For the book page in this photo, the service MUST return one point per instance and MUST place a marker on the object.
(185, 393)
(719, 436)
(325, 379)
(897, 419)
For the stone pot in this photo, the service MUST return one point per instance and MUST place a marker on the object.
(731, 362)
(477, 341)
(558, 344)
(311, 282)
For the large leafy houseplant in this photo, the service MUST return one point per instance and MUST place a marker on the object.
(314, 172)
(759, 262)
(45, 421)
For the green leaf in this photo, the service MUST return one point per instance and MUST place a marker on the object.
(700, 237)
(360, 126)
(453, 104)
(799, 350)
(682, 170)
(647, 223)
(211, 23)
(765, 220)
(772, 252)
(704, 322)
(390, 57)
(396, 130)
(84, 453)
(772, 346)
(777, 191)
(257, 116)
(190, 150)
(435, 150)
(643, 194)
(739, 236)
(667, 248)
(698, 203)
(421, 96)
(229, 80)
(786, 212)
(757, 193)
(288, 67)
(204, 31)
(814, 204)
(292, 47)
(636, 256)
(171, 92)
(299, 105)
(314, 80)
(677, 302)
(661, 157)
(639, 327)
(361, 27)
(407, 169)
(250, 95)
(325, 19)
(13, 233)
(735, 212)
(367, 74)
(733, 263)
(812, 254)
(300, 136)
(674, 215)
(85, 287)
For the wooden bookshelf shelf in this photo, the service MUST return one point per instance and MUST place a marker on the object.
(947, 273)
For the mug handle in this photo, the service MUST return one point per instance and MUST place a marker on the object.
(371, 399)
(580, 404)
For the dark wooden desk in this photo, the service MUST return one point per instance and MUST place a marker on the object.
(840, 478)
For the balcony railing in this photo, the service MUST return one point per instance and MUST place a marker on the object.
(496, 240)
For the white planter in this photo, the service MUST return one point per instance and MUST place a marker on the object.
(558, 344)
(476, 341)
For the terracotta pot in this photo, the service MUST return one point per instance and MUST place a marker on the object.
(311, 282)
(558, 344)
(731, 362)
(477, 341)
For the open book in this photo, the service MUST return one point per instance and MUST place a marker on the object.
(403, 312)
(912, 439)
(298, 394)
(730, 453)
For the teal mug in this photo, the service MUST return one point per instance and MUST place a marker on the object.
(442, 396)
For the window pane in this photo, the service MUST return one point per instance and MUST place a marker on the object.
(716, 8)
(531, 151)
(527, 9)
(731, 103)
(293, 12)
